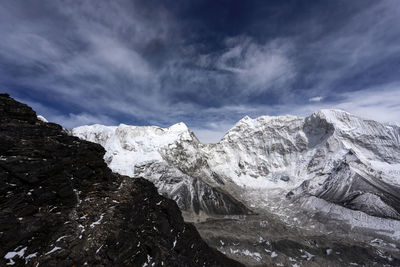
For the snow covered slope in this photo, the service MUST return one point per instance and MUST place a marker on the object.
(130, 145)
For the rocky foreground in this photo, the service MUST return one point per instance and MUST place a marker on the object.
(60, 205)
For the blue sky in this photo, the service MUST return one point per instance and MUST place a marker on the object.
(206, 63)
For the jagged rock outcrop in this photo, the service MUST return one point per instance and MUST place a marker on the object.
(60, 205)
(191, 194)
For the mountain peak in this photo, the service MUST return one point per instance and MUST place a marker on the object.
(334, 112)
(179, 127)
(246, 118)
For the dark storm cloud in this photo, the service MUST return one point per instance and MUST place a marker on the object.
(207, 63)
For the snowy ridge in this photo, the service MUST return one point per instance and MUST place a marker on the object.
(41, 118)
(127, 145)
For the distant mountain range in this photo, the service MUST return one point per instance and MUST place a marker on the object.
(331, 154)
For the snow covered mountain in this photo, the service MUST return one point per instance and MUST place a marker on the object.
(127, 146)
(331, 154)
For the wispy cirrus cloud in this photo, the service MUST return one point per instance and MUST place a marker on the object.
(316, 99)
(258, 67)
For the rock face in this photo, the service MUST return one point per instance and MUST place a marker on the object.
(190, 193)
(137, 151)
(61, 205)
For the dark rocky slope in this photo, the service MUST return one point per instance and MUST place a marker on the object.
(61, 206)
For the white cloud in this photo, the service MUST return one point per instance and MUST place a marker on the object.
(367, 41)
(258, 67)
(316, 99)
(73, 120)
(380, 103)
(70, 120)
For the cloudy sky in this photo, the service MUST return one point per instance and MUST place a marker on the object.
(206, 63)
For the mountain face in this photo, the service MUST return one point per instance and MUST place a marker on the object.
(331, 154)
(61, 205)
